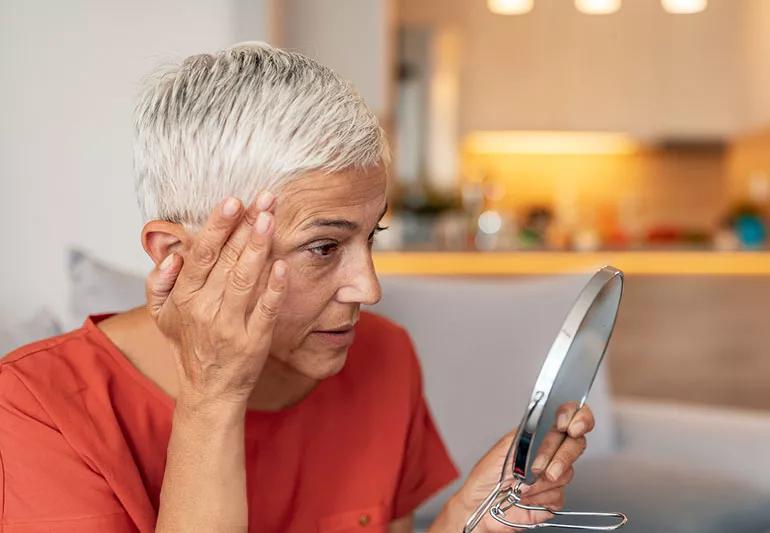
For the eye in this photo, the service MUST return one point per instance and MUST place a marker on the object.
(376, 231)
(324, 250)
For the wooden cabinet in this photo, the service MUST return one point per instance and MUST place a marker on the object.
(640, 70)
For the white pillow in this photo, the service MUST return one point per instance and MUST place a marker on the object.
(96, 287)
(41, 325)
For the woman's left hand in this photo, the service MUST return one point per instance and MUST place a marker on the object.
(558, 452)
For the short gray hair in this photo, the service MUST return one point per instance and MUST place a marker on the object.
(245, 119)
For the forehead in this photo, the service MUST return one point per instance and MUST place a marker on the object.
(355, 194)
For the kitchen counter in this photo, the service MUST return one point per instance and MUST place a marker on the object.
(533, 263)
(692, 326)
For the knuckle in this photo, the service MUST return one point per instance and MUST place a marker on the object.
(267, 310)
(257, 245)
(240, 280)
(182, 302)
(198, 314)
(221, 338)
(228, 255)
(558, 504)
(204, 253)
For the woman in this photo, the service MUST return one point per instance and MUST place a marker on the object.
(250, 393)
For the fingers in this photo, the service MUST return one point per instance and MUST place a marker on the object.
(265, 313)
(552, 498)
(243, 278)
(208, 245)
(543, 484)
(564, 415)
(548, 448)
(564, 440)
(160, 282)
(565, 456)
(582, 422)
(231, 251)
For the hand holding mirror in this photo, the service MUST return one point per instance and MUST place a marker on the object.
(565, 378)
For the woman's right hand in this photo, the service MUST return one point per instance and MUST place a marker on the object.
(203, 302)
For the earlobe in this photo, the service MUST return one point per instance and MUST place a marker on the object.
(160, 238)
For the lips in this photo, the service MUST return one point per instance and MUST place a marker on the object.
(337, 337)
(340, 329)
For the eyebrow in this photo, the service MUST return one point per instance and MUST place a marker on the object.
(338, 222)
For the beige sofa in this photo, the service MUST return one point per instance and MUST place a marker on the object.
(671, 467)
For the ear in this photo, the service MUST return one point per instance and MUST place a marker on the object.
(160, 238)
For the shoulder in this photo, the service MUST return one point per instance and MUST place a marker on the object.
(38, 358)
(56, 363)
(50, 478)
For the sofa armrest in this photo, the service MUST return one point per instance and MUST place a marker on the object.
(729, 442)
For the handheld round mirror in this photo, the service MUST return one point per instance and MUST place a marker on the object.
(565, 380)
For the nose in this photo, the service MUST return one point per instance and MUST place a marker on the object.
(362, 285)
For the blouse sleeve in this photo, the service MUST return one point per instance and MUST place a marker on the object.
(44, 484)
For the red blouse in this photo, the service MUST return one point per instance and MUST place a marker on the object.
(83, 438)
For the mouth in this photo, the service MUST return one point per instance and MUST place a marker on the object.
(338, 337)
(340, 329)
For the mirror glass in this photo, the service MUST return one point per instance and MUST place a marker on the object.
(570, 367)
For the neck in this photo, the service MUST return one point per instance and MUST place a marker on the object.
(136, 334)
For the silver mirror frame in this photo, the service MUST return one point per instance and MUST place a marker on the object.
(516, 469)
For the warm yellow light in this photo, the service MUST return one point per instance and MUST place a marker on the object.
(510, 7)
(684, 7)
(598, 7)
(549, 142)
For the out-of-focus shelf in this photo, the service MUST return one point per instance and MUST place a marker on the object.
(532, 263)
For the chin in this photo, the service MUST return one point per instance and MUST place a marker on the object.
(322, 366)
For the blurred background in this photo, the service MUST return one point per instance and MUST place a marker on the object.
(533, 141)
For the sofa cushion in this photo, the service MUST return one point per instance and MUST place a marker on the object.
(667, 496)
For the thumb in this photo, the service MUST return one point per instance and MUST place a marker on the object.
(160, 282)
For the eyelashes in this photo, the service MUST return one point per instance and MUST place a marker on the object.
(378, 229)
(327, 249)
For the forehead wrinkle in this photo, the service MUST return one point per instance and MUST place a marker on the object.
(319, 192)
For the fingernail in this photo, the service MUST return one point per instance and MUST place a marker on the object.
(265, 200)
(578, 429)
(263, 222)
(280, 270)
(554, 471)
(539, 463)
(230, 208)
(166, 263)
(561, 423)
(523, 489)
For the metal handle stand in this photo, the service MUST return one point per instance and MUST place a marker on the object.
(513, 499)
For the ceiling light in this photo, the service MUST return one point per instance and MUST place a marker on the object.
(510, 7)
(598, 7)
(684, 7)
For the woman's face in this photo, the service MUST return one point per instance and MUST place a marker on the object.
(325, 225)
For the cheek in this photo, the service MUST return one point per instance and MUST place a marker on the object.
(304, 304)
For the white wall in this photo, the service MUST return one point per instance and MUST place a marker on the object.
(70, 71)
(350, 36)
